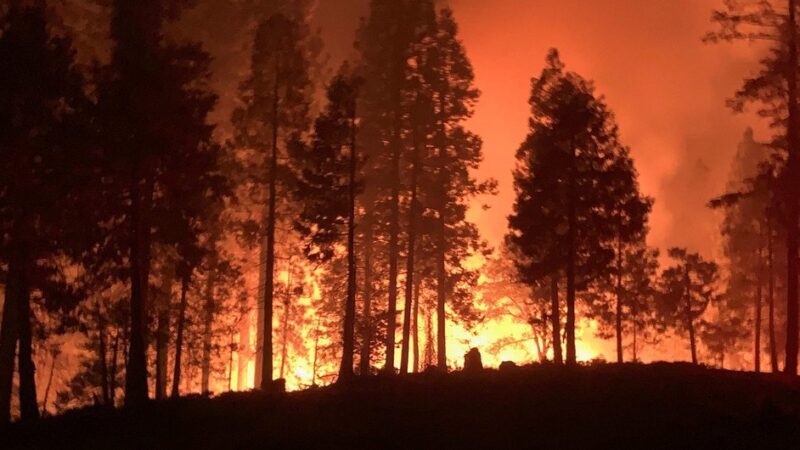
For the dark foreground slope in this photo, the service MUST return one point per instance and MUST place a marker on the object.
(605, 406)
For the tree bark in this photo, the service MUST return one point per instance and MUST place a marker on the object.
(773, 345)
(208, 321)
(348, 334)
(689, 318)
(441, 294)
(136, 374)
(415, 329)
(269, 274)
(29, 408)
(287, 299)
(571, 255)
(394, 248)
(411, 248)
(367, 332)
(162, 334)
(9, 334)
(112, 379)
(793, 135)
(555, 320)
(618, 325)
(176, 372)
(757, 308)
(102, 347)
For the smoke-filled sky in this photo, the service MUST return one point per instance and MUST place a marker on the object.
(667, 88)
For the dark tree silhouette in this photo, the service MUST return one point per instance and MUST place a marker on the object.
(687, 288)
(44, 161)
(576, 192)
(775, 90)
(275, 106)
(329, 181)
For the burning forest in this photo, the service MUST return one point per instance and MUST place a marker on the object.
(267, 208)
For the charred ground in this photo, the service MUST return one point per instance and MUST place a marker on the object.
(540, 406)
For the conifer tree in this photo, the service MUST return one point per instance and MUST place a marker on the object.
(44, 160)
(687, 288)
(329, 181)
(274, 108)
(572, 182)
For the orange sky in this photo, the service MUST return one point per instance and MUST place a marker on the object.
(667, 88)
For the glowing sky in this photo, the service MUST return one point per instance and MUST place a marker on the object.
(667, 88)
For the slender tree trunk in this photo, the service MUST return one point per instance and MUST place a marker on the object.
(415, 329)
(348, 334)
(269, 284)
(757, 321)
(555, 320)
(689, 318)
(287, 299)
(411, 248)
(394, 238)
(176, 372)
(618, 327)
(634, 328)
(367, 331)
(208, 321)
(571, 255)
(162, 334)
(102, 348)
(262, 288)
(112, 379)
(243, 348)
(793, 132)
(136, 374)
(316, 351)
(428, 340)
(54, 357)
(9, 334)
(441, 294)
(29, 408)
(773, 345)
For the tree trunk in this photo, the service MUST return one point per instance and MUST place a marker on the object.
(441, 295)
(348, 334)
(367, 332)
(394, 237)
(29, 408)
(287, 299)
(571, 255)
(316, 350)
(112, 378)
(136, 374)
(757, 307)
(411, 248)
(618, 314)
(9, 334)
(689, 318)
(415, 329)
(269, 267)
(54, 357)
(773, 345)
(208, 321)
(428, 340)
(176, 372)
(102, 347)
(162, 334)
(793, 135)
(555, 320)
(243, 348)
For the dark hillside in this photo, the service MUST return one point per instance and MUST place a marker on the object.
(669, 406)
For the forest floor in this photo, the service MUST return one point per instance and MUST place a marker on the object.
(658, 406)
